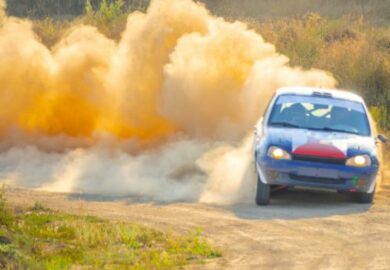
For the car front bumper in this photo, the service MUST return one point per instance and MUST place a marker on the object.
(317, 175)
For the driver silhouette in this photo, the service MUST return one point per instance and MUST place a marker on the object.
(296, 114)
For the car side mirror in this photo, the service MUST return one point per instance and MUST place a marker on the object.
(382, 138)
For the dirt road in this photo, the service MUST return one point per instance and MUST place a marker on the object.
(300, 230)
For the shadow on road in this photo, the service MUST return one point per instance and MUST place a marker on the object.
(300, 204)
(285, 205)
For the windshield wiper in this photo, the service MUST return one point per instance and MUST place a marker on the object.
(335, 130)
(285, 124)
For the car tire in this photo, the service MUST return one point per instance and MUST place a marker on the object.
(365, 197)
(263, 192)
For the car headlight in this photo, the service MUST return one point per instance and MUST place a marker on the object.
(359, 161)
(278, 153)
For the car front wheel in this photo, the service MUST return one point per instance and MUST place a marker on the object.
(365, 197)
(263, 192)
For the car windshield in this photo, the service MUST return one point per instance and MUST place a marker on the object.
(320, 113)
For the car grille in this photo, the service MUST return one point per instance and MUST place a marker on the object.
(316, 179)
(339, 161)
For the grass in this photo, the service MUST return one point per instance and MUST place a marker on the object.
(351, 45)
(6, 218)
(377, 10)
(45, 239)
(355, 50)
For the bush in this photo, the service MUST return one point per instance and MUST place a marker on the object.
(110, 18)
(355, 51)
(50, 31)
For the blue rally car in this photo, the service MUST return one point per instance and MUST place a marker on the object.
(316, 138)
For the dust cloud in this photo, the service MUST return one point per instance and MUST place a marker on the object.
(163, 114)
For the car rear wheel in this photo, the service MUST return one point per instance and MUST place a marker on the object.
(263, 192)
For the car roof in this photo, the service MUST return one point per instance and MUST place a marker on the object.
(304, 90)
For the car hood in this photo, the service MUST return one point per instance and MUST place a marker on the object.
(320, 143)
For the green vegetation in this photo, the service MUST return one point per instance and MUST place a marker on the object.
(62, 9)
(50, 31)
(6, 218)
(351, 39)
(375, 10)
(356, 52)
(108, 17)
(40, 238)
